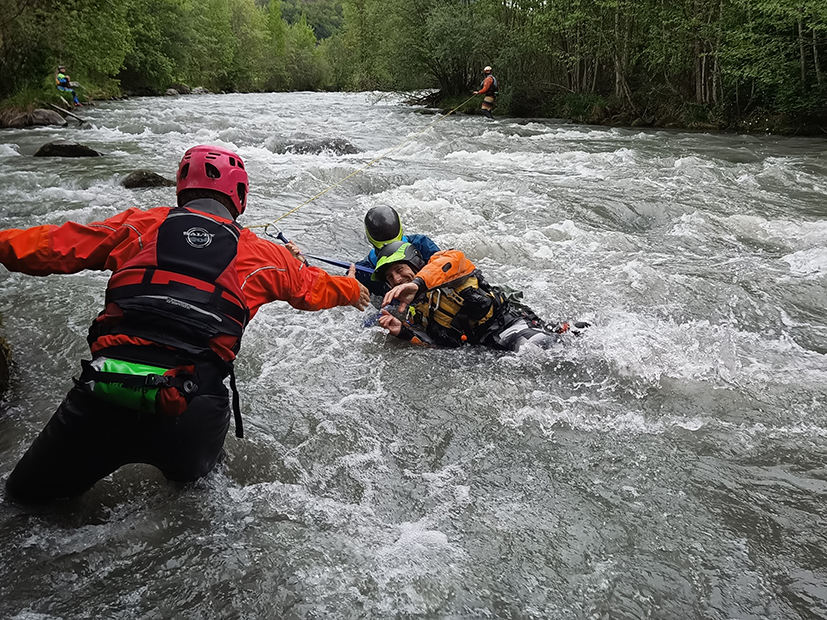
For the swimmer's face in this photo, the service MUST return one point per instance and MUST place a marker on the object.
(399, 273)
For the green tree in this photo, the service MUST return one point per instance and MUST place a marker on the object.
(249, 69)
(303, 59)
(160, 41)
(213, 45)
(276, 48)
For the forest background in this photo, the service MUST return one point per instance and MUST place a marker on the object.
(721, 63)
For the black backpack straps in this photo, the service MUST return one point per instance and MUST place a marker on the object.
(239, 429)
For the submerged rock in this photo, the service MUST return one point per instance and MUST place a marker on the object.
(65, 148)
(145, 178)
(338, 146)
(17, 119)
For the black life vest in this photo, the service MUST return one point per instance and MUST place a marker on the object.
(458, 311)
(181, 290)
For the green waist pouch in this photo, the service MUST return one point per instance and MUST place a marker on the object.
(140, 386)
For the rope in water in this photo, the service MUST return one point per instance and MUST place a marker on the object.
(367, 165)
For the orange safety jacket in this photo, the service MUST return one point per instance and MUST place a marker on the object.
(266, 271)
(487, 87)
(453, 305)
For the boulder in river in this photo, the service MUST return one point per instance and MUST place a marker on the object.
(17, 118)
(65, 148)
(145, 178)
(200, 90)
(47, 117)
(181, 89)
(337, 146)
(14, 119)
(171, 92)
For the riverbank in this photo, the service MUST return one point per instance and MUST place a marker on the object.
(594, 110)
(581, 109)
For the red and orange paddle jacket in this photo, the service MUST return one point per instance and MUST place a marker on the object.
(263, 271)
(454, 304)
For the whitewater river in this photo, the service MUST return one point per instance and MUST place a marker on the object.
(670, 463)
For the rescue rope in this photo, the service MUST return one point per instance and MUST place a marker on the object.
(367, 165)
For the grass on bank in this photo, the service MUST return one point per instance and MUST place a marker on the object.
(30, 95)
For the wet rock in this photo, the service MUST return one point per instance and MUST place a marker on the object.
(171, 92)
(598, 114)
(47, 117)
(182, 89)
(337, 146)
(145, 178)
(145, 91)
(18, 118)
(200, 90)
(65, 148)
(14, 119)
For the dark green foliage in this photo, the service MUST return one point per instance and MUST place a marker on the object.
(643, 61)
(143, 46)
(692, 62)
(325, 17)
(160, 38)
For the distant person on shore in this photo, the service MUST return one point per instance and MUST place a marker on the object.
(185, 282)
(64, 84)
(446, 302)
(489, 89)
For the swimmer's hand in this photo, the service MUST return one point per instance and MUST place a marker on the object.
(390, 322)
(405, 293)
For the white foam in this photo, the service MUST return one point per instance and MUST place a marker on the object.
(808, 263)
(9, 150)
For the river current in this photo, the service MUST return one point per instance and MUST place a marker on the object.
(668, 463)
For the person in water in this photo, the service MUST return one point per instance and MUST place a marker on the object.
(489, 89)
(446, 302)
(65, 85)
(382, 226)
(185, 282)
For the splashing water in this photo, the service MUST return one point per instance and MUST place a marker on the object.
(668, 463)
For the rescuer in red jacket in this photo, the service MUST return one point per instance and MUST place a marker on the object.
(185, 282)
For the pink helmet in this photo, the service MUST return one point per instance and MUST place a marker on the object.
(215, 168)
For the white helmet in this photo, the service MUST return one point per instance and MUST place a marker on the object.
(487, 69)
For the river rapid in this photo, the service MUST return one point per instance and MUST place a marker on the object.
(669, 463)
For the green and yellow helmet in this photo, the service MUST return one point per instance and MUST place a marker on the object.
(397, 252)
(382, 226)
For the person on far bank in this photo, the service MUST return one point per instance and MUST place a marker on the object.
(185, 282)
(64, 84)
(383, 226)
(489, 89)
